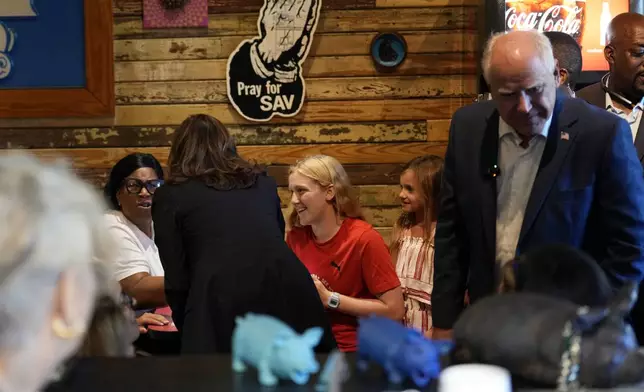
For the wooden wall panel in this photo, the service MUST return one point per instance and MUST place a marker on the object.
(323, 45)
(285, 154)
(401, 19)
(309, 133)
(425, 3)
(359, 174)
(327, 111)
(326, 89)
(330, 66)
(134, 7)
(373, 122)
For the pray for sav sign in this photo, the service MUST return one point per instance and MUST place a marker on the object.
(265, 73)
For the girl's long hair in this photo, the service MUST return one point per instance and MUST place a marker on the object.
(327, 171)
(429, 171)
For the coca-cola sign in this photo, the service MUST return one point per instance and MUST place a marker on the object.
(564, 18)
(585, 21)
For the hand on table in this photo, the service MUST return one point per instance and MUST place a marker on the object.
(150, 319)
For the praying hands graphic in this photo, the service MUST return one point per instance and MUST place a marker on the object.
(265, 73)
(286, 29)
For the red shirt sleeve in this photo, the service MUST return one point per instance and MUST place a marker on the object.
(377, 269)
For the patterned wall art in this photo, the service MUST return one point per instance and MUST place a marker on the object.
(174, 13)
(11, 9)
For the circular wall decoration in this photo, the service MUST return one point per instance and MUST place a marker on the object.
(388, 51)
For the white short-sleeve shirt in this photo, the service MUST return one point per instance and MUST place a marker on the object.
(136, 251)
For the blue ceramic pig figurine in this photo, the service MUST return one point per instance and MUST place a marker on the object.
(402, 352)
(275, 349)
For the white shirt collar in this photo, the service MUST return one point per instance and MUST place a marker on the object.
(609, 101)
(609, 104)
(505, 129)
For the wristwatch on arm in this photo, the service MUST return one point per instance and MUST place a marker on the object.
(334, 300)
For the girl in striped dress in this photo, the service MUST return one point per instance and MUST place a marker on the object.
(412, 247)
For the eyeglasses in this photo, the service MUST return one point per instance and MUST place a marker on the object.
(134, 185)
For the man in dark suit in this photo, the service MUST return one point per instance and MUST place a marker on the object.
(621, 90)
(567, 53)
(531, 168)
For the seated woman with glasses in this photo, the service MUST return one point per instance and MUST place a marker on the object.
(129, 190)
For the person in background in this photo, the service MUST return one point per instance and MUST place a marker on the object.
(567, 53)
(528, 169)
(412, 248)
(129, 191)
(621, 90)
(348, 259)
(220, 232)
(50, 238)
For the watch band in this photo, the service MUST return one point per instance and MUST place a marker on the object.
(334, 300)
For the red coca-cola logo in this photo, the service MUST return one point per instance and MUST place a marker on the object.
(552, 19)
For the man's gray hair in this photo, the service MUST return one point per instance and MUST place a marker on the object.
(542, 46)
(51, 222)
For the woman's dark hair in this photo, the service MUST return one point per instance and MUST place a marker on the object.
(124, 168)
(203, 149)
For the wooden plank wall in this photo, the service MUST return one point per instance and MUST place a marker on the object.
(371, 122)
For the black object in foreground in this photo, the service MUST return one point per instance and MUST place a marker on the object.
(552, 342)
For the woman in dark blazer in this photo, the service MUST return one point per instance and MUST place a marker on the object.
(220, 233)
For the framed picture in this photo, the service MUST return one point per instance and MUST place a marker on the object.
(58, 60)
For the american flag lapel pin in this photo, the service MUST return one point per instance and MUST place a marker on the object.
(565, 136)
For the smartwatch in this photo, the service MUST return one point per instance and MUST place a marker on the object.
(334, 300)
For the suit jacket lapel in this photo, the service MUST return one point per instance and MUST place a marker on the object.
(597, 96)
(639, 139)
(560, 138)
(488, 161)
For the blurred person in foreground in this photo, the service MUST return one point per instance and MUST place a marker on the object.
(50, 234)
(530, 168)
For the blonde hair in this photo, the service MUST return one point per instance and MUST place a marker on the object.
(541, 43)
(327, 171)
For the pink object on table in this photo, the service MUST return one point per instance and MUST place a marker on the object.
(166, 311)
(170, 327)
(194, 14)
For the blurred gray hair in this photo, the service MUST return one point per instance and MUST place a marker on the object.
(542, 46)
(51, 222)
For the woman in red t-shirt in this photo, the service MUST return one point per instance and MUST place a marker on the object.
(348, 259)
